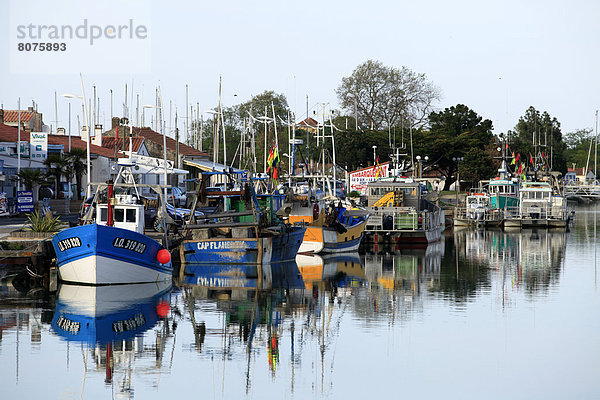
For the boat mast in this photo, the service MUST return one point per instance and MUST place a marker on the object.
(275, 128)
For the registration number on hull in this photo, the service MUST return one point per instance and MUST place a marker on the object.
(69, 243)
(129, 244)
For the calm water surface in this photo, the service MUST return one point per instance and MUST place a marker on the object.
(484, 314)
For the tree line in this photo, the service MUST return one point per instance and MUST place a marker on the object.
(394, 109)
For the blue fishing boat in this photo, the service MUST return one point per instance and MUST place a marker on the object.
(104, 314)
(101, 255)
(243, 232)
(111, 247)
(279, 244)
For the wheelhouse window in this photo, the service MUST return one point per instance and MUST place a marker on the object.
(130, 215)
(103, 214)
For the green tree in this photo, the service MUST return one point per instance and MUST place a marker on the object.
(545, 132)
(579, 148)
(457, 132)
(77, 167)
(57, 165)
(386, 96)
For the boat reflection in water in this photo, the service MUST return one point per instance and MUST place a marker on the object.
(239, 321)
(331, 271)
(397, 281)
(409, 268)
(235, 276)
(111, 321)
(530, 258)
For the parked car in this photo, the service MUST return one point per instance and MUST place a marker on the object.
(65, 191)
(46, 192)
(176, 197)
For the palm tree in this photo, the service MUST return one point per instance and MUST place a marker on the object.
(77, 166)
(57, 165)
(32, 178)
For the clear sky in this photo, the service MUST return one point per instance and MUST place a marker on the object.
(498, 57)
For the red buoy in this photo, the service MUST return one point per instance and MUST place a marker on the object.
(162, 309)
(163, 256)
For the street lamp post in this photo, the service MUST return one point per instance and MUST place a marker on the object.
(374, 154)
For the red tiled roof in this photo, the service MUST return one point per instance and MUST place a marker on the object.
(10, 134)
(578, 171)
(13, 116)
(109, 143)
(309, 122)
(156, 137)
(78, 143)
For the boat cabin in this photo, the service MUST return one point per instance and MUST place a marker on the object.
(408, 192)
(478, 200)
(535, 200)
(128, 214)
(504, 193)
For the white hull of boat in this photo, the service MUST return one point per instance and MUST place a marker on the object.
(97, 301)
(99, 270)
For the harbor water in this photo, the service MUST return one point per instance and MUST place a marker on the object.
(483, 314)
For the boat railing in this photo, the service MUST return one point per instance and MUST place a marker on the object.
(402, 219)
(543, 211)
(480, 214)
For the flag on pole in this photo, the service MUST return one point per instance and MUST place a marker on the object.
(378, 168)
(273, 161)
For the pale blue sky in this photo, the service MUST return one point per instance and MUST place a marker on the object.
(497, 58)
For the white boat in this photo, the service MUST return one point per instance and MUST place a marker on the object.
(478, 211)
(539, 206)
